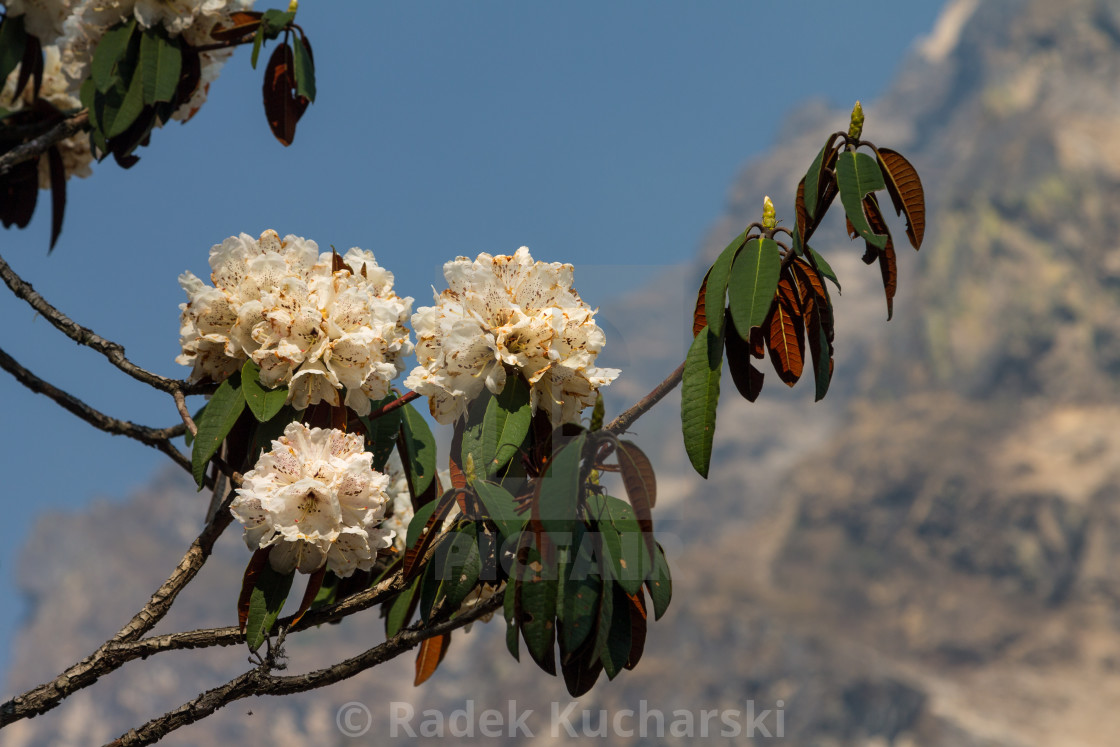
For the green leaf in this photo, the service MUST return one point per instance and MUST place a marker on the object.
(110, 50)
(501, 507)
(578, 606)
(509, 609)
(699, 397)
(131, 106)
(161, 61)
(274, 21)
(538, 617)
(264, 403)
(856, 175)
(496, 426)
(13, 41)
(381, 432)
(421, 447)
(813, 179)
(558, 501)
(660, 585)
(753, 282)
(257, 41)
(461, 565)
(218, 419)
(270, 590)
(631, 564)
(401, 609)
(418, 521)
(717, 283)
(823, 267)
(304, 69)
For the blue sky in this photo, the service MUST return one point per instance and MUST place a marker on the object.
(596, 133)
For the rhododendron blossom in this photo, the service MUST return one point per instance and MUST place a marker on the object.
(508, 311)
(315, 500)
(41, 18)
(312, 329)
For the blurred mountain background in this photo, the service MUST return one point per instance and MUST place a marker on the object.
(930, 556)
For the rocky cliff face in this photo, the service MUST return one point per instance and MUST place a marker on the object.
(928, 557)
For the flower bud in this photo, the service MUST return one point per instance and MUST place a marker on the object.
(769, 218)
(855, 129)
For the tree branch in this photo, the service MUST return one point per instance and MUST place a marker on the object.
(64, 129)
(260, 682)
(158, 439)
(85, 336)
(83, 674)
(626, 419)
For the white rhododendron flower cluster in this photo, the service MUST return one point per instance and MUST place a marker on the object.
(57, 91)
(315, 500)
(400, 500)
(312, 329)
(508, 311)
(43, 19)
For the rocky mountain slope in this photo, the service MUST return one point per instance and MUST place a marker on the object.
(928, 557)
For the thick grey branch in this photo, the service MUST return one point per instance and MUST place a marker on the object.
(260, 682)
(156, 438)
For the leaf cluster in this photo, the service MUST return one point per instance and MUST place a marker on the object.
(765, 297)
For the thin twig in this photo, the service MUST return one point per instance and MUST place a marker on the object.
(64, 129)
(85, 336)
(156, 438)
(83, 674)
(260, 681)
(181, 404)
(627, 418)
(388, 407)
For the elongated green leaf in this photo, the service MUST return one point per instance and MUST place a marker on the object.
(161, 62)
(417, 522)
(660, 585)
(557, 503)
(381, 432)
(754, 279)
(538, 618)
(815, 176)
(421, 447)
(110, 50)
(715, 298)
(461, 565)
(218, 419)
(509, 609)
(577, 608)
(401, 609)
(13, 40)
(823, 267)
(501, 507)
(857, 174)
(258, 40)
(496, 426)
(270, 590)
(304, 68)
(131, 106)
(623, 545)
(699, 397)
(264, 403)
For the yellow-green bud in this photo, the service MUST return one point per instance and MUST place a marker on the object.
(769, 217)
(293, 6)
(855, 129)
(469, 470)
